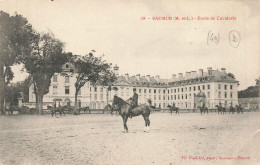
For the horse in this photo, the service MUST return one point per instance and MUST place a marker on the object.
(232, 109)
(54, 110)
(203, 109)
(221, 109)
(239, 109)
(84, 109)
(173, 108)
(124, 111)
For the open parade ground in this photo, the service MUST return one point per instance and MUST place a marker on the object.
(187, 138)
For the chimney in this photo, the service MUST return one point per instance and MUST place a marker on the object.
(209, 71)
(187, 75)
(127, 76)
(157, 78)
(193, 74)
(148, 77)
(200, 72)
(223, 70)
(116, 70)
(173, 76)
(180, 75)
(138, 77)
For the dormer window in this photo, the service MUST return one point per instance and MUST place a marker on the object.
(67, 66)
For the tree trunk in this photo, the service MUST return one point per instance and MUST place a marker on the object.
(2, 89)
(75, 111)
(40, 103)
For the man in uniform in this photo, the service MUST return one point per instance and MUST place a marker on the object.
(134, 102)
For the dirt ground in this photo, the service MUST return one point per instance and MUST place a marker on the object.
(188, 138)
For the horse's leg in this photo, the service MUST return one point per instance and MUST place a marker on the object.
(124, 121)
(147, 121)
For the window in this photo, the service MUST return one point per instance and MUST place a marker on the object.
(171, 97)
(144, 90)
(90, 89)
(95, 89)
(154, 91)
(174, 90)
(231, 86)
(159, 97)
(163, 91)
(203, 87)
(163, 97)
(55, 91)
(219, 94)
(171, 90)
(178, 89)
(181, 89)
(231, 95)
(67, 79)
(219, 86)
(67, 66)
(150, 90)
(208, 94)
(178, 97)
(154, 97)
(225, 87)
(174, 97)
(101, 89)
(101, 96)
(182, 97)
(208, 86)
(67, 90)
(186, 96)
(95, 96)
(198, 87)
(55, 78)
(159, 91)
(190, 88)
(194, 88)
(225, 94)
(140, 90)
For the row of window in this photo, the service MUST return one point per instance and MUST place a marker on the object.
(225, 95)
(225, 87)
(171, 97)
(55, 78)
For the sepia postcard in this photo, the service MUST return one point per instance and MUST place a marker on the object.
(129, 82)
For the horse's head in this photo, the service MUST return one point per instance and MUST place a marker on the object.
(117, 101)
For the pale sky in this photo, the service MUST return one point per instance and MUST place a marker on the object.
(145, 47)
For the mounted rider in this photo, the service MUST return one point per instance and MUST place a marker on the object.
(134, 102)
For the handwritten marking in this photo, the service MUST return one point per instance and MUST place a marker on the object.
(213, 38)
(234, 38)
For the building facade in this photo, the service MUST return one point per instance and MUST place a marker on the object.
(185, 91)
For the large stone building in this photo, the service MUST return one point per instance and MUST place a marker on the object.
(187, 91)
